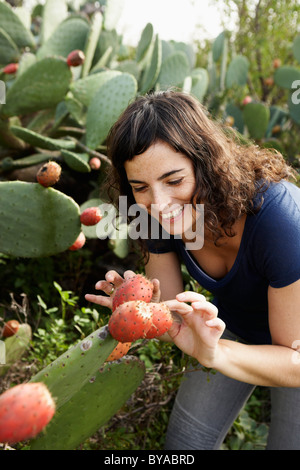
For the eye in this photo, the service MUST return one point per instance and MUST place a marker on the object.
(174, 182)
(138, 189)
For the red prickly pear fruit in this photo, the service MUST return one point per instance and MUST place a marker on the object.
(120, 350)
(10, 328)
(162, 320)
(247, 100)
(10, 69)
(130, 321)
(49, 174)
(91, 216)
(24, 411)
(95, 163)
(276, 63)
(79, 242)
(137, 287)
(75, 58)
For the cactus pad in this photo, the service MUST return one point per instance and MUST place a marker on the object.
(36, 221)
(43, 85)
(92, 406)
(108, 103)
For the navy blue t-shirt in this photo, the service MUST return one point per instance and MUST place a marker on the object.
(269, 255)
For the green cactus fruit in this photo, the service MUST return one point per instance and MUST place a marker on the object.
(15, 346)
(9, 51)
(285, 76)
(38, 140)
(256, 118)
(108, 103)
(74, 368)
(174, 70)
(296, 48)
(70, 35)
(36, 221)
(84, 89)
(91, 43)
(144, 42)
(152, 70)
(14, 27)
(237, 72)
(43, 85)
(92, 405)
(54, 12)
(77, 161)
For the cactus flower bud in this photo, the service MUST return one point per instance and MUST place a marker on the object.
(10, 69)
(75, 58)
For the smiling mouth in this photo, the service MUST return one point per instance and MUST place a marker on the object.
(172, 214)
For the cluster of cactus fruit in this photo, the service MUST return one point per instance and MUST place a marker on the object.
(55, 399)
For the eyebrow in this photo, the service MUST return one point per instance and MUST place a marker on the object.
(165, 175)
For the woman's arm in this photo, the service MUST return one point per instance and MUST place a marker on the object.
(166, 269)
(268, 365)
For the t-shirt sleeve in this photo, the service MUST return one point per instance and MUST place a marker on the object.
(277, 239)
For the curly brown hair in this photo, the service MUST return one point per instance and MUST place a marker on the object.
(228, 174)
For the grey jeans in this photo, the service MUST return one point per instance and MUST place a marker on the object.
(204, 411)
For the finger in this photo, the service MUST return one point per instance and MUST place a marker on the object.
(217, 325)
(206, 308)
(179, 307)
(115, 278)
(190, 296)
(105, 286)
(128, 274)
(111, 277)
(156, 291)
(99, 299)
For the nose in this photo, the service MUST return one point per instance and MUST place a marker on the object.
(160, 199)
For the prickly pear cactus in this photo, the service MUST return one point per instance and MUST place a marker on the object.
(70, 371)
(36, 221)
(15, 347)
(92, 405)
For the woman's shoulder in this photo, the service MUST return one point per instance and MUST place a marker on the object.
(279, 198)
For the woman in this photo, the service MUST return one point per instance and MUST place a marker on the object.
(169, 157)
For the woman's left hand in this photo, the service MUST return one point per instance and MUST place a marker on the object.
(199, 331)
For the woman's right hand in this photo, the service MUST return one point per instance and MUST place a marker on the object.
(112, 281)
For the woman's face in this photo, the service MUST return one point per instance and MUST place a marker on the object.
(163, 181)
